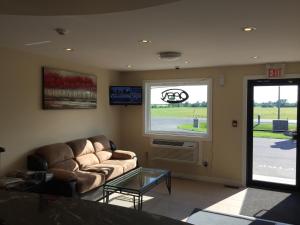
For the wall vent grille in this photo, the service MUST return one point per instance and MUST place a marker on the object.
(171, 150)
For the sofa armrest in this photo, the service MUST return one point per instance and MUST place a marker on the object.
(122, 154)
(58, 187)
(63, 175)
(113, 147)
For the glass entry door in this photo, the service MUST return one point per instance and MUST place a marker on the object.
(272, 142)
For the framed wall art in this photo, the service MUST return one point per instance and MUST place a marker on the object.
(64, 89)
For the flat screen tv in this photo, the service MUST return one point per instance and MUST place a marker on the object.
(125, 95)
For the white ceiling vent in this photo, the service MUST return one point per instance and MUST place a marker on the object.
(169, 55)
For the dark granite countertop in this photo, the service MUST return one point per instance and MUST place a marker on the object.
(20, 208)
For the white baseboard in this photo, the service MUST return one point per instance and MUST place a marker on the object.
(208, 179)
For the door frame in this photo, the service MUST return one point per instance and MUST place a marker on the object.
(244, 125)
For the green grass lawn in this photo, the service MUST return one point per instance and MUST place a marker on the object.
(179, 112)
(269, 134)
(256, 133)
(268, 126)
(271, 113)
(201, 129)
(266, 113)
(264, 130)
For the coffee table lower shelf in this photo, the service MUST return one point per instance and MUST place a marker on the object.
(136, 183)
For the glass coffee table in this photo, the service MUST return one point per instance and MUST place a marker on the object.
(136, 183)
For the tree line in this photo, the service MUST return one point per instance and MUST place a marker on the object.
(279, 103)
(183, 104)
(270, 104)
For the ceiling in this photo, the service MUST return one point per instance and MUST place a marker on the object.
(73, 7)
(207, 32)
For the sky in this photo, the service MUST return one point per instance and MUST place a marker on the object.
(196, 93)
(270, 93)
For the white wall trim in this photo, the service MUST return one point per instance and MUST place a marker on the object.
(146, 110)
(244, 117)
(216, 180)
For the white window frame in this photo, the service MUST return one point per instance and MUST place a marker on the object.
(147, 101)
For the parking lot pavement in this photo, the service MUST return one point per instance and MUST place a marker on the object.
(271, 157)
(274, 158)
(170, 124)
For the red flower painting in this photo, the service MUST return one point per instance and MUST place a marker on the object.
(68, 90)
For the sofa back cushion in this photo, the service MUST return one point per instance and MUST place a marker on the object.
(84, 152)
(59, 156)
(102, 147)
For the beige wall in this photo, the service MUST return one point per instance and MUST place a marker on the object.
(25, 126)
(224, 152)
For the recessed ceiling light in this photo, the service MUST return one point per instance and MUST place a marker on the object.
(249, 29)
(69, 49)
(254, 57)
(129, 66)
(187, 62)
(144, 41)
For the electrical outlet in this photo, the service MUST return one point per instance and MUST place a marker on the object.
(234, 123)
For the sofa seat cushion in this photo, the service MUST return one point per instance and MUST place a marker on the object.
(102, 147)
(87, 181)
(69, 164)
(104, 155)
(127, 164)
(109, 170)
(84, 152)
(122, 154)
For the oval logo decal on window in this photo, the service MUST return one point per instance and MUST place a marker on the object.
(174, 95)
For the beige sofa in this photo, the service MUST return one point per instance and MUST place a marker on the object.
(86, 164)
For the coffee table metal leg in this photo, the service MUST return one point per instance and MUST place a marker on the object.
(103, 195)
(168, 182)
(107, 197)
(134, 202)
(141, 206)
(140, 202)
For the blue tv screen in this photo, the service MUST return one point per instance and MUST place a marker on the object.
(125, 95)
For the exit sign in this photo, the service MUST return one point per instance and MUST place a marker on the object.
(275, 70)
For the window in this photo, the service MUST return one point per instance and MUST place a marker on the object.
(178, 107)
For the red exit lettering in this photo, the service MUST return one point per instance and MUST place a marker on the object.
(274, 72)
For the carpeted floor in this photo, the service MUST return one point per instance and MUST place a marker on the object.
(188, 195)
(272, 205)
(207, 217)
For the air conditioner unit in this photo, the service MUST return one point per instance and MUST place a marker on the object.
(178, 151)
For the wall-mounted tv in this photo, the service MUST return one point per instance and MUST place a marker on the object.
(125, 95)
